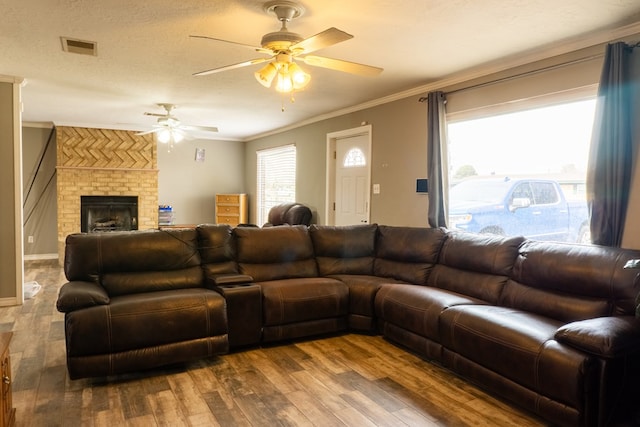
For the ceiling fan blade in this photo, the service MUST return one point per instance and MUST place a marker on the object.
(321, 40)
(256, 48)
(200, 128)
(146, 132)
(231, 67)
(340, 65)
(155, 114)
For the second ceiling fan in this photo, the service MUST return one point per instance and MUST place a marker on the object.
(169, 129)
(283, 46)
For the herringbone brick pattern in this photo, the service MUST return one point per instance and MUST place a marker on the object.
(101, 148)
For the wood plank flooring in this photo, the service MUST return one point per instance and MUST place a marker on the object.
(349, 380)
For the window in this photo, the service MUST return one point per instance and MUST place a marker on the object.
(354, 158)
(522, 173)
(276, 179)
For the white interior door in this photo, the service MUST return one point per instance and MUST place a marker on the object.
(352, 180)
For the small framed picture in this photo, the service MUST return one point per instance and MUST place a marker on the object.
(199, 154)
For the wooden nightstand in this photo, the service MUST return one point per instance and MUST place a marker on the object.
(7, 412)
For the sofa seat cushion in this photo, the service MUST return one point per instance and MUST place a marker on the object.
(303, 299)
(146, 320)
(362, 291)
(519, 346)
(416, 308)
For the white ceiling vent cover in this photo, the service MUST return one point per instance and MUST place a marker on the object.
(81, 47)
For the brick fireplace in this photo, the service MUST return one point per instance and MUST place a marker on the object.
(101, 162)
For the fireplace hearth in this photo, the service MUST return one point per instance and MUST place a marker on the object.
(108, 213)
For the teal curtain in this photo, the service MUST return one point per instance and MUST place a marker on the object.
(436, 153)
(613, 145)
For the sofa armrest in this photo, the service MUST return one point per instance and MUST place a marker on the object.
(228, 279)
(79, 294)
(609, 337)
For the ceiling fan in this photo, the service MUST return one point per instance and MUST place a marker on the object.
(169, 129)
(283, 46)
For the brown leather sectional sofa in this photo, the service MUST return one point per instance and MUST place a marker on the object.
(548, 326)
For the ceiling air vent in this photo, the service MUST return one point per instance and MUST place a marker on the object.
(81, 47)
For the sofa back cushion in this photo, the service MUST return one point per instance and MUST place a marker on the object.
(135, 261)
(275, 252)
(572, 282)
(217, 249)
(344, 249)
(476, 265)
(407, 253)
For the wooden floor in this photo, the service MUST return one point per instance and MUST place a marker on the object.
(348, 380)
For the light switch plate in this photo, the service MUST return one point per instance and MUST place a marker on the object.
(376, 188)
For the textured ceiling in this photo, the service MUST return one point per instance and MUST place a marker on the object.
(145, 55)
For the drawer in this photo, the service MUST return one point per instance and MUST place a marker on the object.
(228, 198)
(231, 220)
(228, 210)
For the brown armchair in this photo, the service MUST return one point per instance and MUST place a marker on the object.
(289, 214)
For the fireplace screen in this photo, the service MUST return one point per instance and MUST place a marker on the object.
(108, 213)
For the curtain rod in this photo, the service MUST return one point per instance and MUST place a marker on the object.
(524, 74)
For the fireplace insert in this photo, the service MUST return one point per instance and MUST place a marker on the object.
(108, 213)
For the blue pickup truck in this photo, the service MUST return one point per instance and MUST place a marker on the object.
(535, 208)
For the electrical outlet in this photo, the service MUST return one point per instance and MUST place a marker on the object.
(30, 239)
(376, 188)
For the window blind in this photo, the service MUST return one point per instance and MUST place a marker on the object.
(560, 79)
(276, 176)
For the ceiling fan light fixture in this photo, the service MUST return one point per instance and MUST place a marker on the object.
(266, 74)
(291, 77)
(169, 135)
(164, 136)
(177, 135)
(283, 84)
(299, 78)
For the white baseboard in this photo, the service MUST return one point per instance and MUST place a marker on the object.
(35, 257)
(8, 302)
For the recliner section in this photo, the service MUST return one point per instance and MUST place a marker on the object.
(289, 214)
(296, 301)
(136, 301)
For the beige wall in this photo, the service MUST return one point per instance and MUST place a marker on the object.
(39, 191)
(11, 270)
(398, 158)
(189, 186)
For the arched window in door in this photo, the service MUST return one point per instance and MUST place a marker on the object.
(354, 158)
